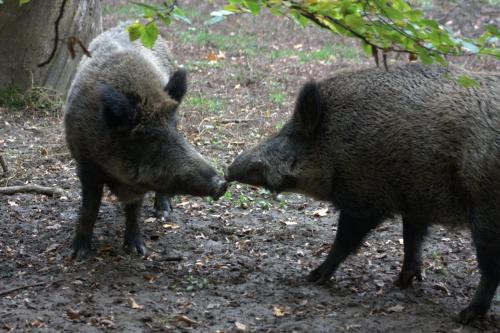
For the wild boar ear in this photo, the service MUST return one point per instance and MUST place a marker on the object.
(308, 107)
(119, 111)
(177, 86)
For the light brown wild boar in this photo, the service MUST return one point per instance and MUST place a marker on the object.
(121, 127)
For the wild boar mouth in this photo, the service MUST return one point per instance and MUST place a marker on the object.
(287, 183)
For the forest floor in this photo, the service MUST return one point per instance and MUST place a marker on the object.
(244, 258)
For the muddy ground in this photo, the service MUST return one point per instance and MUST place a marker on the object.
(243, 258)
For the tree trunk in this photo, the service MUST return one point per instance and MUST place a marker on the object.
(27, 35)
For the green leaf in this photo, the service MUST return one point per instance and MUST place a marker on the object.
(233, 8)
(149, 35)
(356, 22)
(440, 60)
(424, 55)
(493, 29)
(253, 6)
(490, 51)
(470, 47)
(300, 19)
(393, 13)
(180, 15)
(22, 2)
(146, 6)
(215, 20)
(135, 30)
(367, 48)
(466, 81)
(166, 20)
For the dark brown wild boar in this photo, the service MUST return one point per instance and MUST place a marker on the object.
(375, 144)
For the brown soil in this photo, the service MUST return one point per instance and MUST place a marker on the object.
(244, 258)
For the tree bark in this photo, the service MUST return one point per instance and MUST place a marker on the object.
(27, 35)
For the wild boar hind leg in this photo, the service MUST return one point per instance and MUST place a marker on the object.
(162, 205)
(485, 227)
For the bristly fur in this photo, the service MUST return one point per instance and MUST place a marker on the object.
(121, 128)
(377, 143)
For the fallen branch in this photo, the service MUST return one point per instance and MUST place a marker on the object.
(233, 121)
(8, 190)
(171, 259)
(38, 284)
(11, 290)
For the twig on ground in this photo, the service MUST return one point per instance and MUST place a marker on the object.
(38, 284)
(171, 259)
(235, 121)
(31, 189)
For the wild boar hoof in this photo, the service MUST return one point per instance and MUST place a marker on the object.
(163, 211)
(81, 249)
(406, 276)
(135, 245)
(470, 313)
(163, 207)
(320, 275)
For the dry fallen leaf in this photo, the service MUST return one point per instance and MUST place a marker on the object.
(38, 324)
(441, 286)
(150, 220)
(170, 226)
(186, 319)
(212, 56)
(150, 277)
(106, 322)
(240, 327)
(396, 308)
(133, 304)
(73, 314)
(278, 312)
(320, 212)
(105, 248)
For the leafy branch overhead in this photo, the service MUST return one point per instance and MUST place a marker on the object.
(148, 32)
(385, 25)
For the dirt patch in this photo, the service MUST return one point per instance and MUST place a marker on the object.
(244, 258)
